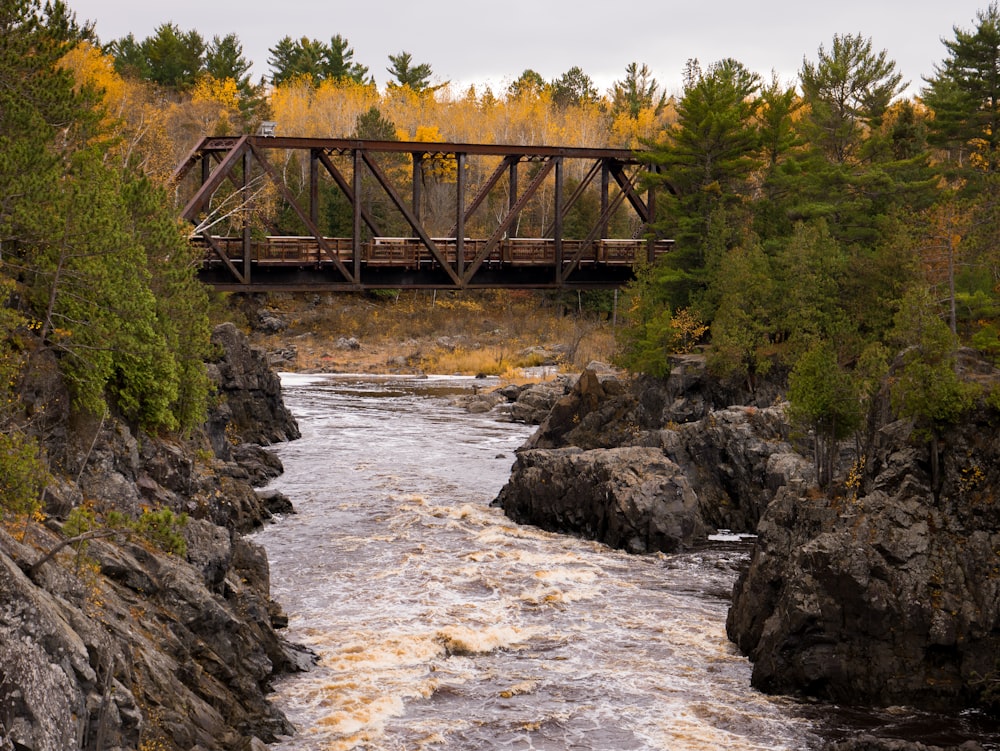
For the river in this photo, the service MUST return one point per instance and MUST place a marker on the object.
(440, 624)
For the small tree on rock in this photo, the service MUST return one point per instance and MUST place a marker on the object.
(925, 385)
(824, 399)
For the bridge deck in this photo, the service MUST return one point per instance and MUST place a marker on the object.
(284, 262)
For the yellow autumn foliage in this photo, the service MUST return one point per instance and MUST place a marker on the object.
(135, 120)
(331, 109)
(91, 67)
(159, 127)
(224, 93)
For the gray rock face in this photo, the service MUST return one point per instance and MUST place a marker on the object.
(893, 597)
(737, 458)
(532, 404)
(605, 464)
(632, 498)
(46, 679)
(252, 391)
(114, 644)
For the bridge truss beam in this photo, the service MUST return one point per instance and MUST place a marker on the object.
(239, 176)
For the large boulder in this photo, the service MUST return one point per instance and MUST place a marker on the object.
(592, 414)
(632, 498)
(531, 404)
(729, 462)
(736, 459)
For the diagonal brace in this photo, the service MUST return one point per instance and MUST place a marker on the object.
(410, 218)
(306, 220)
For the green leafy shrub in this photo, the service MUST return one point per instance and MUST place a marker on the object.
(927, 388)
(163, 529)
(23, 475)
(987, 341)
(80, 520)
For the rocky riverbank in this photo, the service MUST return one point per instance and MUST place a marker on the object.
(882, 593)
(652, 466)
(887, 596)
(162, 637)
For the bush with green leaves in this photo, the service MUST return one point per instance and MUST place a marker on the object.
(926, 386)
(824, 399)
(23, 475)
(163, 528)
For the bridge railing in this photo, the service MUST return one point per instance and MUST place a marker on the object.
(411, 253)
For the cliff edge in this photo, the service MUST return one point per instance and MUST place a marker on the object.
(154, 628)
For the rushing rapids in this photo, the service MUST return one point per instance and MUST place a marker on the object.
(438, 623)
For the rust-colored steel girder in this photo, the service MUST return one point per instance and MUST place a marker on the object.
(238, 172)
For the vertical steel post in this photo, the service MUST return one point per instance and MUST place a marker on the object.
(605, 187)
(418, 182)
(356, 229)
(512, 194)
(460, 216)
(314, 194)
(559, 221)
(246, 219)
(314, 186)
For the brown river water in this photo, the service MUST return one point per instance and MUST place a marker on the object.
(440, 624)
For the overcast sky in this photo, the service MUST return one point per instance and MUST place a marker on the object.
(491, 43)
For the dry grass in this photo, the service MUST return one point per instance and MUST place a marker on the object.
(496, 332)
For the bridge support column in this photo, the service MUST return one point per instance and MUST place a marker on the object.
(512, 195)
(418, 182)
(314, 186)
(356, 227)
(605, 188)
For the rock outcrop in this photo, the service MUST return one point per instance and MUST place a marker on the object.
(891, 597)
(252, 407)
(115, 643)
(883, 590)
(529, 403)
(632, 498)
(610, 462)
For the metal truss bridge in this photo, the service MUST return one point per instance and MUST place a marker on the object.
(413, 215)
